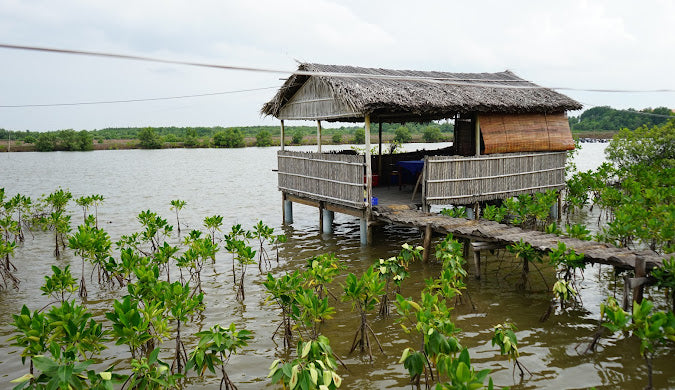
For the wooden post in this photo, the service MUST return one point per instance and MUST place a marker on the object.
(425, 205)
(427, 243)
(640, 271)
(476, 211)
(318, 136)
(465, 251)
(625, 302)
(369, 171)
(477, 134)
(559, 205)
(379, 158)
(321, 208)
(281, 140)
(476, 262)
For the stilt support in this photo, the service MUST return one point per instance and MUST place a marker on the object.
(364, 231)
(427, 243)
(288, 211)
(640, 272)
(328, 217)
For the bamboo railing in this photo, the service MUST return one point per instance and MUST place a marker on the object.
(466, 180)
(335, 178)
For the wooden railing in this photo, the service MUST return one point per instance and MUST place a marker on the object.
(466, 180)
(335, 178)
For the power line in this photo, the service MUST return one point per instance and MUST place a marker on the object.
(450, 81)
(134, 100)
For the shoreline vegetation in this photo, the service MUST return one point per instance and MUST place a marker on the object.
(592, 125)
(336, 137)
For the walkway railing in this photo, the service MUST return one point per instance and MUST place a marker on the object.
(335, 178)
(466, 180)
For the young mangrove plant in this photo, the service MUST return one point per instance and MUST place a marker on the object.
(263, 234)
(395, 269)
(215, 347)
(283, 290)
(314, 368)
(455, 212)
(665, 278)
(363, 294)
(156, 229)
(245, 256)
(653, 328)
(524, 251)
(505, 338)
(181, 304)
(177, 205)
(236, 238)
(319, 273)
(60, 283)
(151, 373)
(213, 224)
(91, 244)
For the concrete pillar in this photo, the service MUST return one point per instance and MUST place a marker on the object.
(470, 213)
(288, 211)
(327, 221)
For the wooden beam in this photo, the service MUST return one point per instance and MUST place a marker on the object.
(369, 170)
(282, 135)
(640, 272)
(477, 134)
(318, 136)
(379, 159)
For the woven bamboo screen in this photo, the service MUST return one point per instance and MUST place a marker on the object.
(336, 178)
(466, 180)
(525, 133)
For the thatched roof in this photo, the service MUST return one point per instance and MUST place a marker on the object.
(407, 96)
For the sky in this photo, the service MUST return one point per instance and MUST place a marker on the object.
(604, 44)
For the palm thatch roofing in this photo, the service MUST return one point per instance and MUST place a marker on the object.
(348, 93)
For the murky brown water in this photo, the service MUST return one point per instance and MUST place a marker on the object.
(240, 186)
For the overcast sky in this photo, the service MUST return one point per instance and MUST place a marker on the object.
(576, 44)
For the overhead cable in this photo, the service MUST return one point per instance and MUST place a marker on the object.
(440, 80)
(134, 100)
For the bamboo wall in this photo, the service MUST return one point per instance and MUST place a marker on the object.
(466, 180)
(315, 100)
(335, 178)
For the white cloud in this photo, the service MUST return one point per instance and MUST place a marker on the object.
(583, 44)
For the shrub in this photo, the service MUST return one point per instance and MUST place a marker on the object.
(359, 136)
(230, 138)
(149, 139)
(297, 137)
(263, 138)
(46, 142)
(337, 138)
(402, 135)
(432, 134)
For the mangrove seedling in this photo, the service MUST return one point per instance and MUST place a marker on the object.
(263, 233)
(92, 244)
(152, 374)
(215, 347)
(363, 294)
(311, 312)
(320, 272)
(236, 238)
(505, 337)
(213, 224)
(178, 205)
(60, 283)
(181, 305)
(283, 291)
(653, 328)
(524, 251)
(314, 368)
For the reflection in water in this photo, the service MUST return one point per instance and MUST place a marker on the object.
(240, 185)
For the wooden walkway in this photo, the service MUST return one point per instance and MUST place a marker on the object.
(502, 235)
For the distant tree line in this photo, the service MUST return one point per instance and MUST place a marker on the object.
(607, 118)
(222, 137)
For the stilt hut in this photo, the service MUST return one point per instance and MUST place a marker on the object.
(510, 136)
